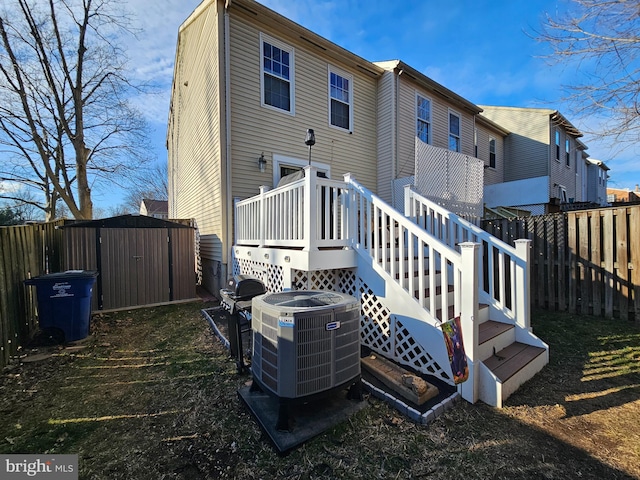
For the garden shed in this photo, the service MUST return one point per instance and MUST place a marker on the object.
(140, 260)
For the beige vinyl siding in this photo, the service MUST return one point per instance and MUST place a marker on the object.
(195, 148)
(386, 119)
(256, 129)
(491, 175)
(527, 147)
(406, 134)
(439, 125)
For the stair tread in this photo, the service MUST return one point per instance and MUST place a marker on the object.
(511, 359)
(491, 329)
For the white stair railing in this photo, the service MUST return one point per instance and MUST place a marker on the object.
(427, 269)
(504, 273)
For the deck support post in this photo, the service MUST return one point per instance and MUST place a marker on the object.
(522, 307)
(469, 318)
(263, 211)
(352, 210)
(310, 202)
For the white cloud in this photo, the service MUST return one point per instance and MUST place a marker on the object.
(152, 53)
(493, 70)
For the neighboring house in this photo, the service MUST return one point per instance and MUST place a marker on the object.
(619, 195)
(597, 182)
(248, 83)
(490, 148)
(154, 208)
(426, 137)
(545, 160)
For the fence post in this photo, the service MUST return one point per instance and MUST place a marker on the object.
(523, 284)
(310, 203)
(469, 318)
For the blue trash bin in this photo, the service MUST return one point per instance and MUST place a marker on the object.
(64, 302)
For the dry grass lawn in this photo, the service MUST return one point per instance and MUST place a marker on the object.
(152, 394)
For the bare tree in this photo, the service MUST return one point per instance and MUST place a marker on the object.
(149, 183)
(65, 117)
(24, 203)
(601, 38)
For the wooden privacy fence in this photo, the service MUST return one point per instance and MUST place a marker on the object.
(140, 261)
(25, 251)
(582, 262)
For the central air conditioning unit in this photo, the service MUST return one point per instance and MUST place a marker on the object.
(305, 342)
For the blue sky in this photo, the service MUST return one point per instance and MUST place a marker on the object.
(480, 49)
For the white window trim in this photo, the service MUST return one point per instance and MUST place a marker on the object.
(331, 69)
(449, 129)
(425, 97)
(282, 160)
(288, 48)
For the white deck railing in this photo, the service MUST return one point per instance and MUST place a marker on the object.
(309, 213)
(314, 213)
(503, 273)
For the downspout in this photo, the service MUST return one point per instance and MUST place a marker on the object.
(394, 136)
(227, 114)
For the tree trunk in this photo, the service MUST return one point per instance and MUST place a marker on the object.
(84, 191)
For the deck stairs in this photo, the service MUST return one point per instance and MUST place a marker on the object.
(414, 271)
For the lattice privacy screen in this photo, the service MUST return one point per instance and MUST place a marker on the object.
(450, 179)
(398, 191)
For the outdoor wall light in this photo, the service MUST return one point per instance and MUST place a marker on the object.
(310, 141)
(262, 162)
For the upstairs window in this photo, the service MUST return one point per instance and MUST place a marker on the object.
(492, 152)
(277, 75)
(567, 150)
(423, 119)
(454, 132)
(557, 145)
(340, 100)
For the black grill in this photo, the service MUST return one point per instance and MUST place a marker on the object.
(243, 287)
(236, 299)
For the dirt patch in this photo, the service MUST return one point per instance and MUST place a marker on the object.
(153, 394)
